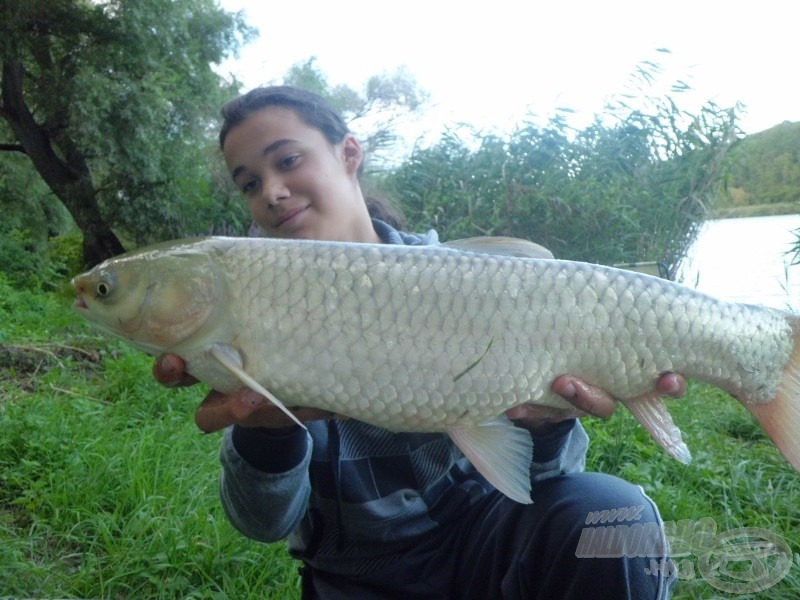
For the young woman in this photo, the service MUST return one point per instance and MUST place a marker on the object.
(375, 514)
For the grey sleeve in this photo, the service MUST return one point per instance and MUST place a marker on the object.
(262, 505)
(561, 451)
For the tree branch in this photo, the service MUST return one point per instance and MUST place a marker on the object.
(12, 148)
(69, 179)
(58, 175)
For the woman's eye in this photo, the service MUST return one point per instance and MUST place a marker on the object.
(249, 186)
(288, 161)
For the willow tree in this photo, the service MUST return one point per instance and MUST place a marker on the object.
(111, 101)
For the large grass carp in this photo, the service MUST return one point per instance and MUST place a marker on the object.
(441, 338)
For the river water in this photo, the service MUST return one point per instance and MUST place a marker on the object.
(746, 260)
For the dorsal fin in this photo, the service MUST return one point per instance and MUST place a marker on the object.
(504, 246)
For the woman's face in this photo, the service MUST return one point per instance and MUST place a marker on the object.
(297, 183)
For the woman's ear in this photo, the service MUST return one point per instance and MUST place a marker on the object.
(353, 155)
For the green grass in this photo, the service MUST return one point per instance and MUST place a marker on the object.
(107, 489)
(737, 478)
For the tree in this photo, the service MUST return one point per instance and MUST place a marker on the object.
(373, 112)
(763, 170)
(112, 103)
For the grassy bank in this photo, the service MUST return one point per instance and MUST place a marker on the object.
(107, 490)
(755, 210)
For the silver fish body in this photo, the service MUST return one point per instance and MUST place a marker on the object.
(432, 338)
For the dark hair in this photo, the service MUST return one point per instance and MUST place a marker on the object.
(385, 210)
(315, 112)
(312, 108)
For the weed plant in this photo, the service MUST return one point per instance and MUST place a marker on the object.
(107, 490)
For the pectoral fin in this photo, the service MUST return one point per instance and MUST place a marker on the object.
(502, 453)
(230, 359)
(652, 413)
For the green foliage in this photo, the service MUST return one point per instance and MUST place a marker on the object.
(34, 254)
(25, 201)
(148, 121)
(763, 169)
(630, 187)
(65, 257)
(125, 98)
(28, 266)
(19, 260)
(309, 76)
(371, 113)
(30, 315)
(94, 504)
(106, 488)
(762, 172)
(39, 246)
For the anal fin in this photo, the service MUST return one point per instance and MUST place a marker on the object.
(230, 359)
(502, 453)
(651, 412)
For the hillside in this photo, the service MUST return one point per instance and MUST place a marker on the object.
(762, 174)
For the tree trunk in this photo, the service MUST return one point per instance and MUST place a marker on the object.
(69, 178)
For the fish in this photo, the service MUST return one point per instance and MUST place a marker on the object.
(442, 338)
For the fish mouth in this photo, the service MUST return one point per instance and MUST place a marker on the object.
(79, 288)
(289, 215)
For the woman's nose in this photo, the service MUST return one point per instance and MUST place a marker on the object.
(274, 191)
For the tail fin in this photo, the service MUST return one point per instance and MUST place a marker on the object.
(780, 417)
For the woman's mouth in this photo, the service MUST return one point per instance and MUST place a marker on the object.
(289, 216)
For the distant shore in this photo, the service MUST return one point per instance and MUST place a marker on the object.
(755, 210)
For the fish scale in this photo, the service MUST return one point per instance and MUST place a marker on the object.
(505, 315)
(440, 338)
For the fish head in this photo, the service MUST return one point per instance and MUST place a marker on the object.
(153, 299)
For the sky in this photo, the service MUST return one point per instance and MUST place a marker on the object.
(493, 63)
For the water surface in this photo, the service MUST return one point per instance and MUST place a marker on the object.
(746, 260)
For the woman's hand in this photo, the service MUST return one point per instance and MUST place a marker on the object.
(586, 399)
(244, 407)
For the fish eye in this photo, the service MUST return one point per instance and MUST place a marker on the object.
(103, 287)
